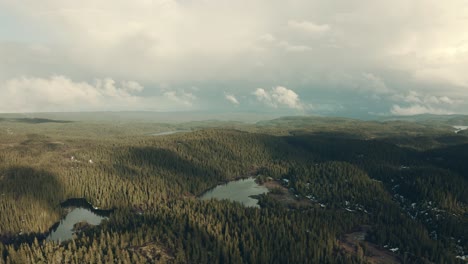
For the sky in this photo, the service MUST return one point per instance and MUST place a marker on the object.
(334, 57)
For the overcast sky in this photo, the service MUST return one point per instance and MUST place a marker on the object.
(333, 57)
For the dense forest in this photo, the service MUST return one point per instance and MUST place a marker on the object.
(398, 185)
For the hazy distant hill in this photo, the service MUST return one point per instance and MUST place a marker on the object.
(145, 116)
(262, 118)
(399, 186)
(430, 118)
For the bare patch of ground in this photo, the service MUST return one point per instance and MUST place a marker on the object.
(153, 251)
(354, 243)
(284, 197)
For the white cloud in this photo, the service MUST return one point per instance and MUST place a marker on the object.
(263, 96)
(59, 93)
(279, 97)
(287, 97)
(308, 26)
(231, 98)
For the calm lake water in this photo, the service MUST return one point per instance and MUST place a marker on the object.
(170, 132)
(80, 211)
(460, 128)
(238, 191)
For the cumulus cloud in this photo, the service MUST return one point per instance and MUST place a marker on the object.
(59, 93)
(263, 96)
(231, 98)
(279, 97)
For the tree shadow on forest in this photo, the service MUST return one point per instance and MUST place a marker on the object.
(380, 152)
(26, 181)
(305, 149)
(391, 164)
(19, 182)
(352, 150)
(197, 174)
(451, 157)
(192, 174)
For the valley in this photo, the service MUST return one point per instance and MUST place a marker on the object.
(311, 184)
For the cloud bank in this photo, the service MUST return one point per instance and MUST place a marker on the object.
(332, 51)
(59, 93)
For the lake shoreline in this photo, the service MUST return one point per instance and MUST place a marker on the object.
(243, 190)
(86, 211)
(224, 182)
(10, 238)
(167, 133)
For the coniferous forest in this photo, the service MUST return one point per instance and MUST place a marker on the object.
(340, 191)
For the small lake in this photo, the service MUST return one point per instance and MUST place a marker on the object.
(170, 132)
(460, 128)
(239, 191)
(79, 211)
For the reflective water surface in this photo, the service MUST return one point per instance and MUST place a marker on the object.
(80, 211)
(239, 191)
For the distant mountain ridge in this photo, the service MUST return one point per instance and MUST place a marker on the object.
(454, 119)
(260, 118)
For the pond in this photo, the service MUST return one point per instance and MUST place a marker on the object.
(170, 132)
(81, 215)
(460, 128)
(239, 191)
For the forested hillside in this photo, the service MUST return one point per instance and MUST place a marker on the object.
(404, 190)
